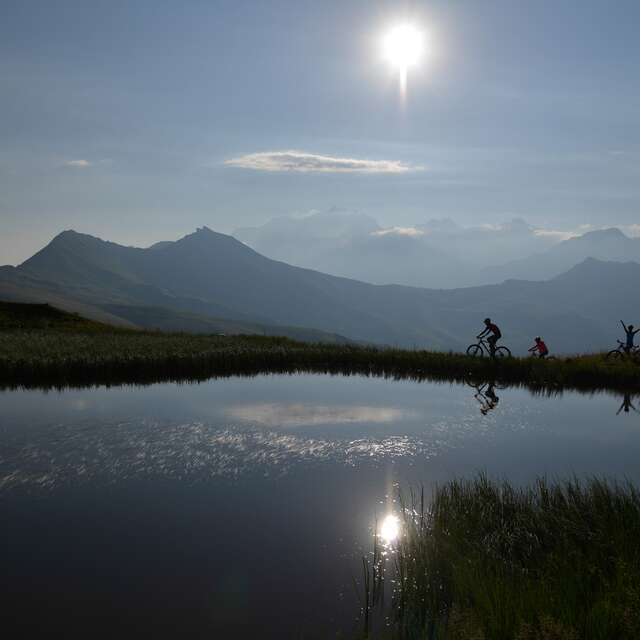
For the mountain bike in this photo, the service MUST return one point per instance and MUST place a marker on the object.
(547, 357)
(482, 347)
(620, 352)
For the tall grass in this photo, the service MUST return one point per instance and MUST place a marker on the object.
(55, 358)
(487, 560)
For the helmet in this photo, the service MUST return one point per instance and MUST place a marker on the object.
(538, 338)
(487, 320)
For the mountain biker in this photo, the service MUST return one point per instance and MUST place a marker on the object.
(540, 347)
(495, 332)
(630, 336)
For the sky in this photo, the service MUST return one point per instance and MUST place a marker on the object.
(140, 120)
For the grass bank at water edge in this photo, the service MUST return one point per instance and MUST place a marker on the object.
(49, 348)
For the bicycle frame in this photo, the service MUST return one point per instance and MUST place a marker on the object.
(486, 347)
(635, 350)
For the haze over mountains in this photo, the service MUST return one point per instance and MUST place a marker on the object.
(436, 254)
(211, 282)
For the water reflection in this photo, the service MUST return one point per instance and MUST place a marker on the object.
(274, 425)
(108, 452)
(485, 395)
(390, 529)
(626, 405)
(299, 415)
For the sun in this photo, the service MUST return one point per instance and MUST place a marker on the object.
(403, 47)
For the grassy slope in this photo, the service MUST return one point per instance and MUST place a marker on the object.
(41, 346)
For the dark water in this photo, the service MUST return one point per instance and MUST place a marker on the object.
(240, 507)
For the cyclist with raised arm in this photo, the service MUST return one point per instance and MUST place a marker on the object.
(540, 347)
(631, 334)
(496, 334)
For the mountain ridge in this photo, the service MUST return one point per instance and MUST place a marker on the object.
(213, 275)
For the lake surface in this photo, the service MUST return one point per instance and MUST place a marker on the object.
(240, 507)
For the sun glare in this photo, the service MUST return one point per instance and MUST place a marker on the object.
(403, 46)
(390, 529)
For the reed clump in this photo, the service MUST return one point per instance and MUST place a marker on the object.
(487, 560)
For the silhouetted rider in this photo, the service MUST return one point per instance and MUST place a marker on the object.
(540, 347)
(491, 328)
(631, 334)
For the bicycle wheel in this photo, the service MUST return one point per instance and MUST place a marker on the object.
(474, 350)
(614, 354)
(502, 352)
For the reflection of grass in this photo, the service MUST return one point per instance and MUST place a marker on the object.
(50, 348)
(556, 561)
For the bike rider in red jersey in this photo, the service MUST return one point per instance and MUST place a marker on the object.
(540, 347)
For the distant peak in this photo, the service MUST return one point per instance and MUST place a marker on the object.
(72, 235)
(67, 233)
(205, 235)
(611, 232)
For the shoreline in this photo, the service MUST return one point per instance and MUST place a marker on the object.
(58, 359)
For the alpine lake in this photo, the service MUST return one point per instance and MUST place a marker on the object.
(241, 507)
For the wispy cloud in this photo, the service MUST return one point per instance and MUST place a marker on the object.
(300, 161)
(399, 231)
(79, 164)
(556, 235)
(632, 230)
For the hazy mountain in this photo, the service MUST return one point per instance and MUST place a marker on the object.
(607, 244)
(485, 245)
(207, 275)
(437, 254)
(306, 240)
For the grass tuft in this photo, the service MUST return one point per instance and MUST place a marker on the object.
(553, 561)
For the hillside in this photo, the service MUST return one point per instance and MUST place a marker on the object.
(206, 275)
(44, 317)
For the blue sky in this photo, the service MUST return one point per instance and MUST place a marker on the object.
(132, 119)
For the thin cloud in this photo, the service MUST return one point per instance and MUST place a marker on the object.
(558, 236)
(632, 230)
(299, 161)
(399, 231)
(81, 164)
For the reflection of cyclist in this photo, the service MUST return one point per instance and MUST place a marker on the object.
(495, 332)
(486, 397)
(631, 334)
(626, 404)
(540, 347)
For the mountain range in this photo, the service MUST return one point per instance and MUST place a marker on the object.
(436, 254)
(211, 282)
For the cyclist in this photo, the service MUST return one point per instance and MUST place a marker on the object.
(495, 332)
(540, 347)
(631, 334)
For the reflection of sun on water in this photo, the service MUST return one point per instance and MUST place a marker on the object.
(390, 529)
